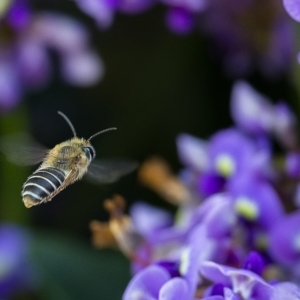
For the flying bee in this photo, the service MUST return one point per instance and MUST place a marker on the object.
(61, 166)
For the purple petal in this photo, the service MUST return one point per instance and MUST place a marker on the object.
(19, 15)
(59, 32)
(244, 283)
(15, 271)
(146, 284)
(199, 249)
(256, 201)
(82, 68)
(254, 262)
(10, 87)
(210, 183)
(33, 63)
(147, 218)
(286, 290)
(293, 8)
(250, 110)
(174, 289)
(219, 217)
(101, 10)
(171, 266)
(192, 152)
(215, 272)
(218, 297)
(230, 295)
(231, 152)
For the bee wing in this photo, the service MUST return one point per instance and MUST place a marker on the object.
(23, 150)
(110, 170)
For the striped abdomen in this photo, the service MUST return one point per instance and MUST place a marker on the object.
(41, 186)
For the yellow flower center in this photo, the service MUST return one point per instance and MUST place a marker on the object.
(4, 5)
(225, 165)
(246, 208)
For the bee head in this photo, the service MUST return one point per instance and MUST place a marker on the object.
(90, 152)
(88, 149)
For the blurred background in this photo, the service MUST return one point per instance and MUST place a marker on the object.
(155, 77)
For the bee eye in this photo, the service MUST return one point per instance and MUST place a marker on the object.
(89, 152)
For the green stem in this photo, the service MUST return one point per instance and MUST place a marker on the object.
(12, 176)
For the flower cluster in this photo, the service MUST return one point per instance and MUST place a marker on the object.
(236, 233)
(249, 35)
(27, 36)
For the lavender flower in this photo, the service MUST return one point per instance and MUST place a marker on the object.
(16, 272)
(231, 226)
(293, 8)
(246, 284)
(24, 59)
(250, 34)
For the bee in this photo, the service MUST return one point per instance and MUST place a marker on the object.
(66, 163)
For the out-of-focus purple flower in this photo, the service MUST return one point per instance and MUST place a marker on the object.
(256, 201)
(19, 14)
(154, 283)
(148, 218)
(231, 152)
(293, 8)
(15, 270)
(256, 115)
(192, 152)
(179, 20)
(250, 35)
(247, 284)
(24, 59)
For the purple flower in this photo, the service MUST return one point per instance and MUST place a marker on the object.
(231, 153)
(16, 273)
(154, 283)
(179, 20)
(293, 8)
(24, 59)
(246, 283)
(250, 35)
(146, 284)
(256, 201)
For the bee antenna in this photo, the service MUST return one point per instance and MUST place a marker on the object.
(68, 121)
(102, 131)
